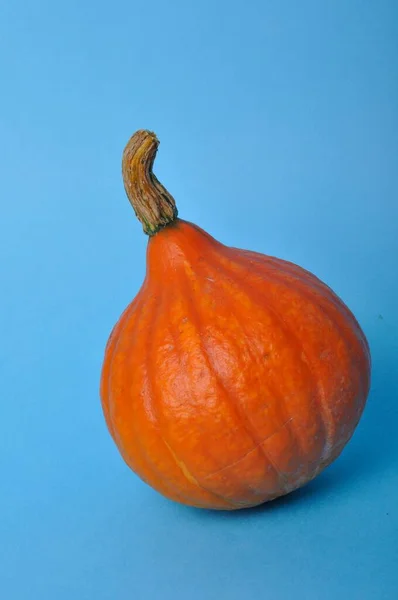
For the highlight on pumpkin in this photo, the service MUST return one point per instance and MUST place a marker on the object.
(233, 377)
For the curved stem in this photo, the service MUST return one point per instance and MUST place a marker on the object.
(152, 203)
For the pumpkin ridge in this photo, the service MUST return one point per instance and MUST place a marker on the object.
(238, 282)
(192, 479)
(235, 408)
(293, 433)
(325, 413)
(276, 265)
(141, 451)
(192, 309)
(149, 383)
(138, 309)
(178, 462)
(242, 415)
(257, 447)
(333, 304)
(330, 315)
(343, 333)
(231, 278)
(111, 349)
(326, 293)
(108, 354)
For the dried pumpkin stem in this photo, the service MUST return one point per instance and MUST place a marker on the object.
(152, 203)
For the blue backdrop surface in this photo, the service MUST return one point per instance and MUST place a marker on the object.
(278, 125)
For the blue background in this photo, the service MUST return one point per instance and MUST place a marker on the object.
(278, 124)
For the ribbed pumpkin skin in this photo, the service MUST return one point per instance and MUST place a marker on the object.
(232, 378)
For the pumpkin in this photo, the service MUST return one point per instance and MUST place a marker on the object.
(233, 377)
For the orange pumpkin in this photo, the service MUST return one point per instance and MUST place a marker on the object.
(233, 377)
